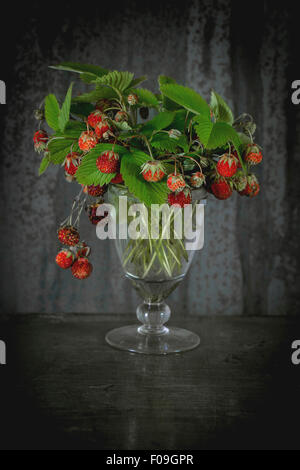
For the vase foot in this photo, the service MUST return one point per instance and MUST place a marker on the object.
(172, 340)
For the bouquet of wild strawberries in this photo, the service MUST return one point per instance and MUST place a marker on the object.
(105, 137)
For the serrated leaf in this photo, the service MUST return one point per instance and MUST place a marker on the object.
(80, 68)
(59, 149)
(146, 97)
(88, 172)
(98, 93)
(117, 80)
(136, 81)
(64, 113)
(214, 135)
(149, 193)
(44, 165)
(220, 108)
(187, 98)
(179, 121)
(52, 111)
(163, 142)
(168, 104)
(159, 122)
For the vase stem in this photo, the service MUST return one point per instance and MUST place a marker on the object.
(153, 316)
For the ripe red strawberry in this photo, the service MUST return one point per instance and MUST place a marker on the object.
(82, 268)
(175, 182)
(101, 129)
(94, 118)
(197, 179)
(68, 235)
(96, 190)
(221, 189)
(40, 140)
(132, 99)
(153, 171)
(108, 162)
(65, 258)
(252, 187)
(227, 165)
(253, 155)
(72, 162)
(118, 179)
(121, 116)
(181, 198)
(92, 213)
(87, 141)
(82, 250)
(103, 105)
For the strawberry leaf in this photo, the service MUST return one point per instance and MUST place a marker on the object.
(220, 108)
(149, 193)
(186, 97)
(64, 113)
(146, 97)
(52, 112)
(44, 165)
(159, 122)
(59, 149)
(80, 68)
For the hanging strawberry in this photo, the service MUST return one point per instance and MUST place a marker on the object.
(65, 258)
(153, 171)
(253, 155)
(175, 182)
(180, 197)
(72, 162)
(108, 162)
(82, 268)
(68, 235)
(40, 140)
(87, 140)
(227, 165)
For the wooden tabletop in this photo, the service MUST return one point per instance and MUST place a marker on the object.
(63, 387)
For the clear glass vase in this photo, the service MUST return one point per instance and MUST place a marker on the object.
(155, 267)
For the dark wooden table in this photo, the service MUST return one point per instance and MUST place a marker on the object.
(63, 387)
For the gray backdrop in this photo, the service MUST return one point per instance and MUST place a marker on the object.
(249, 262)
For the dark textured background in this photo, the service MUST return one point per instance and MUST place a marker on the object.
(249, 264)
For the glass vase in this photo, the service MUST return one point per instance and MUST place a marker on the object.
(155, 267)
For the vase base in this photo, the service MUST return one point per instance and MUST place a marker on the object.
(172, 340)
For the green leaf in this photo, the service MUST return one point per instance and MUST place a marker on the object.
(88, 172)
(220, 108)
(136, 81)
(117, 80)
(81, 109)
(52, 112)
(59, 149)
(98, 93)
(72, 130)
(149, 193)
(163, 142)
(179, 121)
(80, 68)
(214, 135)
(167, 103)
(187, 98)
(164, 80)
(146, 97)
(159, 122)
(44, 165)
(64, 113)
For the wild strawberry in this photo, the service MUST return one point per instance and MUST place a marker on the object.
(121, 116)
(102, 129)
(174, 134)
(118, 179)
(221, 189)
(197, 179)
(82, 268)
(108, 162)
(82, 250)
(72, 162)
(175, 182)
(253, 155)
(68, 235)
(40, 140)
(65, 258)
(153, 171)
(103, 105)
(132, 99)
(252, 187)
(240, 181)
(94, 118)
(227, 165)
(181, 198)
(87, 140)
(96, 190)
(92, 213)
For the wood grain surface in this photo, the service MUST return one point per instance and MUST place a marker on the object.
(63, 387)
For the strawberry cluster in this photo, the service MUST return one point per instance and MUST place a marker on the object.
(76, 255)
